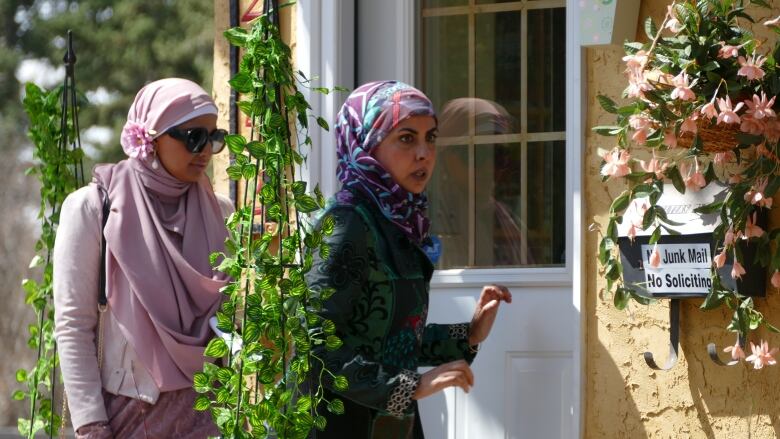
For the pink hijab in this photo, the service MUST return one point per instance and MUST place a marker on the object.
(161, 288)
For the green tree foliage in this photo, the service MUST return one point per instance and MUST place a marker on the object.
(120, 45)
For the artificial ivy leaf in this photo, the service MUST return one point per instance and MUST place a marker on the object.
(202, 403)
(18, 395)
(216, 348)
(336, 406)
(241, 82)
(323, 124)
(340, 383)
(298, 188)
(21, 376)
(235, 143)
(256, 149)
(234, 172)
(620, 203)
(328, 327)
(236, 36)
(332, 342)
(328, 224)
(200, 382)
(305, 203)
(320, 422)
(713, 300)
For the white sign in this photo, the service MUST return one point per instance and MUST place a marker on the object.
(684, 268)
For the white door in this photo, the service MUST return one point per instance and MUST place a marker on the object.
(505, 197)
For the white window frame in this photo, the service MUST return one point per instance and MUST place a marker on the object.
(325, 32)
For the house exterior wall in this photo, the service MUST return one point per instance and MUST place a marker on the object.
(623, 396)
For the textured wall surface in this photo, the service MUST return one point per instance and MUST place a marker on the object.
(624, 397)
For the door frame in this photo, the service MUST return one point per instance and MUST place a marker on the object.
(325, 47)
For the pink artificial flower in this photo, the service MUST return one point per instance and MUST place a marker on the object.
(756, 194)
(709, 109)
(642, 124)
(695, 180)
(737, 270)
(751, 68)
(720, 260)
(723, 158)
(727, 113)
(752, 230)
(762, 356)
(616, 163)
(654, 166)
(670, 139)
(637, 82)
(682, 90)
(637, 60)
(136, 141)
(655, 257)
(752, 125)
(759, 107)
(726, 51)
(673, 24)
(736, 351)
(730, 236)
(776, 279)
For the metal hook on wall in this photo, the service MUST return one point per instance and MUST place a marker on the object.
(713, 351)
(674, 338)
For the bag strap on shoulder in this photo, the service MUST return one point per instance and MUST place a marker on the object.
(102, 301)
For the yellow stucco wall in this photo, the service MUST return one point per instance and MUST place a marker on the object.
(221, 90)
(623, 397)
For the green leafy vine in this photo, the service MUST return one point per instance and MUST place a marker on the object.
(270, 384)
(59, 170)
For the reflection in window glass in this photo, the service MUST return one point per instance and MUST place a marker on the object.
(448, 208)
(499, 227)
(498, 55)
(547, 54)
(446, 46)
(546, 202)
(443, 3)
(497, 196)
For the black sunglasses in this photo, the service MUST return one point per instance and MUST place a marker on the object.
(195, 138)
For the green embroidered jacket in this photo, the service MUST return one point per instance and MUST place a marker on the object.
(379, 308)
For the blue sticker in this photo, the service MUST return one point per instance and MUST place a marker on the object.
(433, 248)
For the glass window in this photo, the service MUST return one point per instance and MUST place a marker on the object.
(495, 72)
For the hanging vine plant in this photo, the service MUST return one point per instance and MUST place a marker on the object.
(58, 166)
(270, 384)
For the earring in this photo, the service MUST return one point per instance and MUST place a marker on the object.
(155, 163)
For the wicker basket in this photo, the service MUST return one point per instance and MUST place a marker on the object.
(714, 137)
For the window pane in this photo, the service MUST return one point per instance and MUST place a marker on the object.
(498, 206)
(498, 37)
(443, 3)
(448, 209)
(444, 58)
(546, 203)
(546, 70)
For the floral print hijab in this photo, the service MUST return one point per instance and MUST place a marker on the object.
(368, 115)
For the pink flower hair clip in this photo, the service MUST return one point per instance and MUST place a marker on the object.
(137, 141)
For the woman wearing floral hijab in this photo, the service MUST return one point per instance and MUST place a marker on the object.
(164, 221)
(385, 133)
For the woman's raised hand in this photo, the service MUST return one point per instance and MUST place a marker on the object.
(486, 310)
(455, 373)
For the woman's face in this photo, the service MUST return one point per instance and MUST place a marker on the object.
(175, 157)
(408, 153)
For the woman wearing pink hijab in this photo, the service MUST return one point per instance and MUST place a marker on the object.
(163, 223)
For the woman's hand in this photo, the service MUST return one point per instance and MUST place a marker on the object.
(485, 313)
(455, 373)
